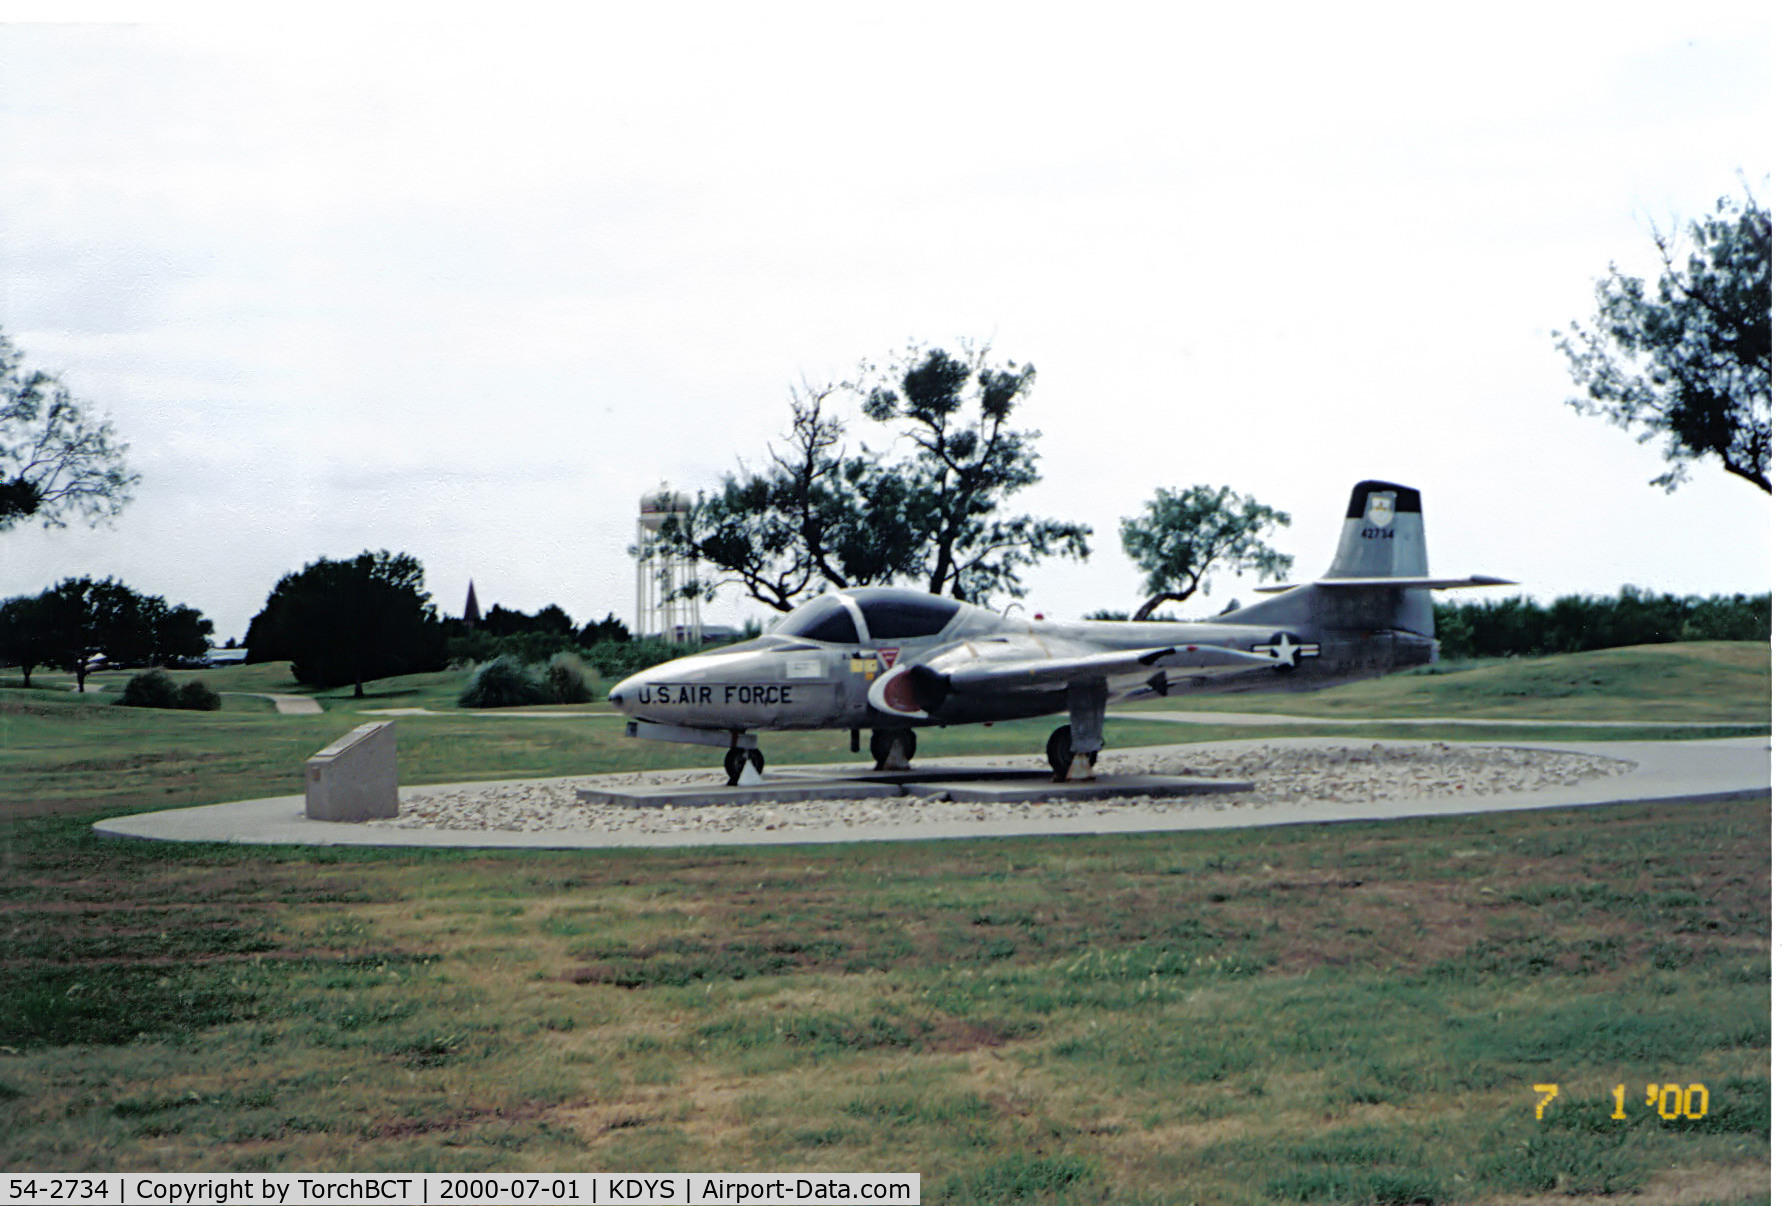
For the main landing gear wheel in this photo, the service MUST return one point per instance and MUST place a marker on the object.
(1059, 752)
(735, 760)
(892, 749)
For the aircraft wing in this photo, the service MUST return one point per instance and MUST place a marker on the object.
(1404, 583)
(1046, 672)
(992, 668)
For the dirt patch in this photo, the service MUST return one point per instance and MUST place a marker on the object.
(458, 1120)
(951, 1035)
(704, 1108)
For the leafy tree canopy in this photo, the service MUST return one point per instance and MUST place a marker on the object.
(1691, 359)
(610, 629)
(25, 637)
(56, 460)
(1575, 623)
(348, 621)
(550, 620)
(1183, 535)
(820, 517)
(79, 619)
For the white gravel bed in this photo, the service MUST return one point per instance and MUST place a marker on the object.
(1285, 774)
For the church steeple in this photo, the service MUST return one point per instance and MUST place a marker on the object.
(473, 614)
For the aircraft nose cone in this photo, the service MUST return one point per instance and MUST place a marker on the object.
(627, 692)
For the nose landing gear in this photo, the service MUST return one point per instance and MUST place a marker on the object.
(737, 759)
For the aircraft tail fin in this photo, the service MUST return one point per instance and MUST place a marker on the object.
(1384, 534)
(1379, 580)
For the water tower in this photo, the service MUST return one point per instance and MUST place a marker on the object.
(667, 607)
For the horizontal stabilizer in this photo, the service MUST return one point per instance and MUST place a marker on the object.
(1403, 583)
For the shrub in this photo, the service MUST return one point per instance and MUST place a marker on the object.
(198, 697)
(617, 659)
(503, 683)
(154, 689)
(150, 689)
(566, 680)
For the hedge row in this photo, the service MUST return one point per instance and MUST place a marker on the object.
(606, 659)
(1576, 623)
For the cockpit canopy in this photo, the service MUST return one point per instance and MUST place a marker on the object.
(821, 619)
(891, 614)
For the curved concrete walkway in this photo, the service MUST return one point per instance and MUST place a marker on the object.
(1228, 719)
(1674, 771)
(295, 705)
(284, 705)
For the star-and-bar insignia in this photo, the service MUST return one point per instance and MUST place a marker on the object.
(1287, 650)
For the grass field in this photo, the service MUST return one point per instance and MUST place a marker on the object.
(1309, 1014)
(1709, 682)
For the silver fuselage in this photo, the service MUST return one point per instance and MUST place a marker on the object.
(791, 682)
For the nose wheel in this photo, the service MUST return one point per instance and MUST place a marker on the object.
(892, 748)
(737, 759)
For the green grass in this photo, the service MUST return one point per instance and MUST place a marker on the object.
(1305, 1014)
(1696, 683)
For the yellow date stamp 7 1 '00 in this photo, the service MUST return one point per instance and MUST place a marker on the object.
(1668, 1101)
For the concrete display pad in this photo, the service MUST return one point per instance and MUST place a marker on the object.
(963, 784)
(1704, 772)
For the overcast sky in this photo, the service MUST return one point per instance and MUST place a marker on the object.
(467, 291)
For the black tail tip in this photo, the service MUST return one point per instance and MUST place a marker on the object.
(1405, 497)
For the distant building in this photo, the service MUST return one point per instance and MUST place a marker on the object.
(473, 613)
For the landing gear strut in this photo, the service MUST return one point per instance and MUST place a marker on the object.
(1072, 749)
(892, 748)
(736, 759)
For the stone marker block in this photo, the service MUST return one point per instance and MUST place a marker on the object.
(355, 778)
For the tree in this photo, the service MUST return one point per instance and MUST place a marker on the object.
(345, 622)
(965, 468)
(56, 461)
(610, 629)
(180, 632)
(78, 619)
(24, 633)
(820, 517)
(1184, 534)
(1693, 362)
(550, 620)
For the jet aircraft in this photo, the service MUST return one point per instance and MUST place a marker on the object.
(892, 660)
